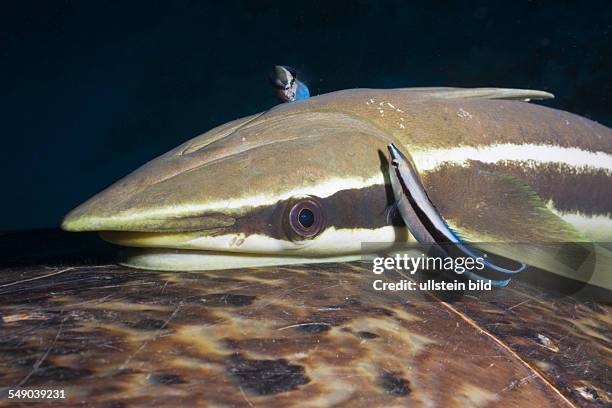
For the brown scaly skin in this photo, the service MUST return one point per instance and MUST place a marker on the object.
(293, 336)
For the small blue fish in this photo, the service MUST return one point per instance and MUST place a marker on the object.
(286, 84)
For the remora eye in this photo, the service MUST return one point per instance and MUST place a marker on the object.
(306, 218)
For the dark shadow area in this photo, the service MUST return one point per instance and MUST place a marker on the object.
(53, 247)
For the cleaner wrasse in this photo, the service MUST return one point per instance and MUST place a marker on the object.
(287, 86)
(309, 181)
(428, 226)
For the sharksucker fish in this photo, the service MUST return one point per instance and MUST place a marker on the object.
(309, 182)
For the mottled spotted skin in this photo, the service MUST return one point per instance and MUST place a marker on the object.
(308, 336)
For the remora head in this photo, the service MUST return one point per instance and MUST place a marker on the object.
(291, 185)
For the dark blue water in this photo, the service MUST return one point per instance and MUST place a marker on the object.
(91, 90)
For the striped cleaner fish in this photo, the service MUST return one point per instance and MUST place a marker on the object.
(287, 86)
(309, 181)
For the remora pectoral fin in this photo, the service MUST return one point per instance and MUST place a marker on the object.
(428, 226)
(512, 223)
(503, 215)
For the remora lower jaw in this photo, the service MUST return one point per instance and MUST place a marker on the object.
(192, 251)
(330, 242)
(184, 260)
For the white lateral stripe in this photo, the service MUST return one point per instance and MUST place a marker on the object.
(323, 189)
(331, 241)
(427, 160)
(596, 227)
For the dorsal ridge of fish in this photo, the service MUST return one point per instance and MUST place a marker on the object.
(484, 93)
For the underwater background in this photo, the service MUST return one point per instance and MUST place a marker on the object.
(91, 90)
